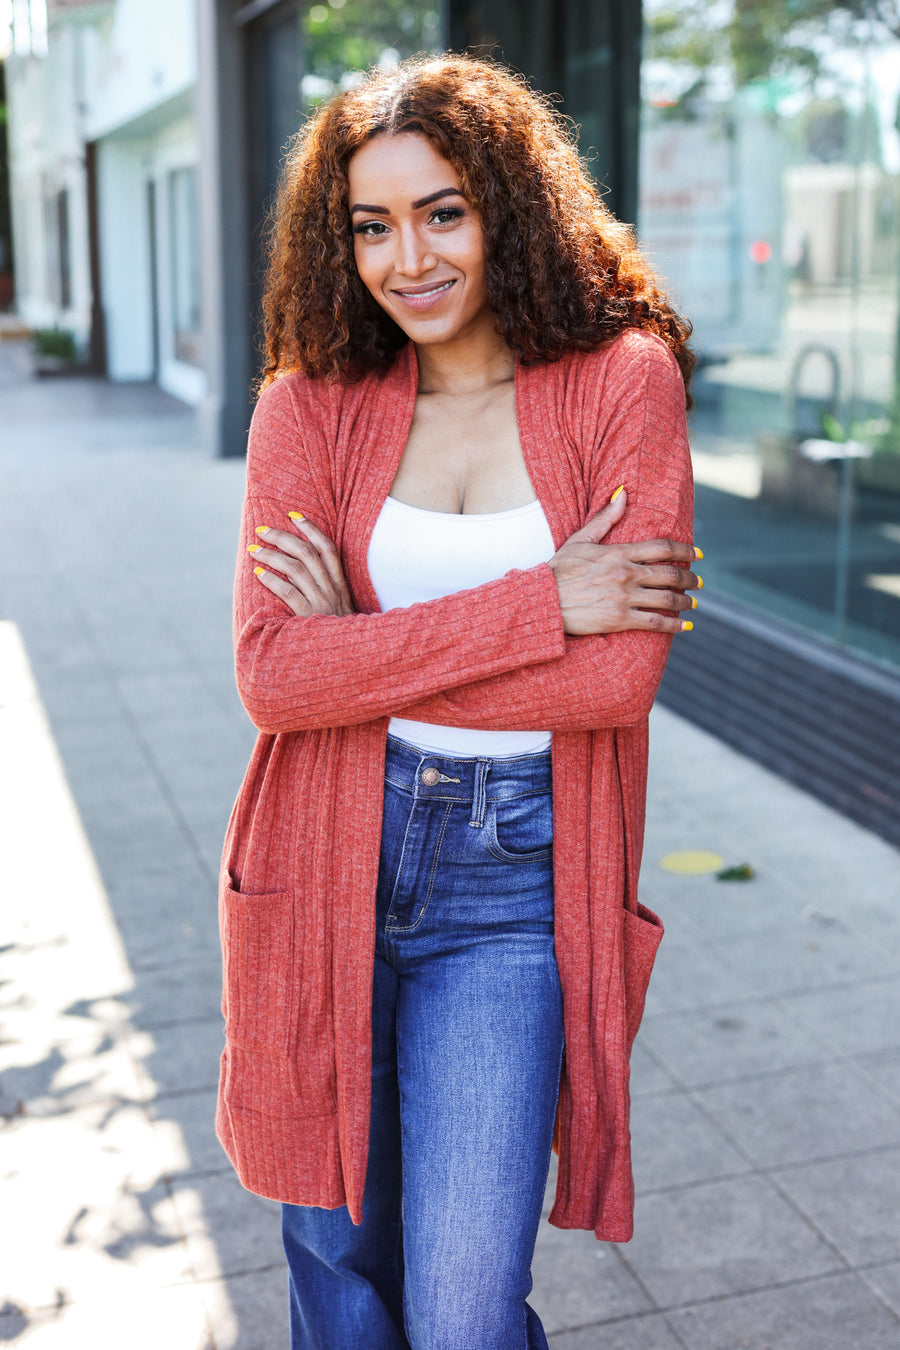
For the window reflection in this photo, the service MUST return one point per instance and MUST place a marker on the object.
(770, 200)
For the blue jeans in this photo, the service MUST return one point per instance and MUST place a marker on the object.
(466, 1054)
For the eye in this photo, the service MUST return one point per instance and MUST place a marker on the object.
(371, 229)
(444, 215)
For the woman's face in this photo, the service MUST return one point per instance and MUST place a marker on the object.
(418, 243)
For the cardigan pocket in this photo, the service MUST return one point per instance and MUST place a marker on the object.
(643, 933)
(279, 1057)
(258, 943)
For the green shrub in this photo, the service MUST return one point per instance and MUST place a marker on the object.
(54, 342)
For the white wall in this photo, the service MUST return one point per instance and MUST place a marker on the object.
(126, 165)
(140, 61)
(123, 169)
(47, 156)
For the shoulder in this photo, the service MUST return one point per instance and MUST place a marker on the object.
(291, 422)
(635, 359)
(294, 394)
(312, 401)
(628, 377)
(307, 425)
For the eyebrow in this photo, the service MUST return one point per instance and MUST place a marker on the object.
(417, 205)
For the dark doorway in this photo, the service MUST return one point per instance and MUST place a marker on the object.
(98, 319)
(6, 245)
(589, 55)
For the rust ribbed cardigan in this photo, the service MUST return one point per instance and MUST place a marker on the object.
(300, 862)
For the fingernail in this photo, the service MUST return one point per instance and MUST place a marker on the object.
(296, 515)
(263, 529)
(698, 552)
(699, 583)
(253, 548)
(686, 626)
(694, 602)
(259, 571)
(620, 488)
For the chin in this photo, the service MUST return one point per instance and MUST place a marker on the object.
(426, 339)
(425, 336)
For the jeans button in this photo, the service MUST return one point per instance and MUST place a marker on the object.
(430, 777)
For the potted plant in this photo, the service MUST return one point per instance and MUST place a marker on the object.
(55, 351)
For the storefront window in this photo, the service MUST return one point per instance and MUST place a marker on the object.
(770, 201)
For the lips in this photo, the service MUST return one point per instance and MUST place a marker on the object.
(423, 297)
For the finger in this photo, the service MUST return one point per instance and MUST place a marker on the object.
(676, 600)
(297, 558)
(326, 548)
(279, 586)
(296, 573)
(601, 524)
(665, 576)
(648, 621)
(661, 551)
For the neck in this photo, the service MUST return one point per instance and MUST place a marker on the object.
(466, 366)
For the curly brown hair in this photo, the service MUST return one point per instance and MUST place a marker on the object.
(562, 273)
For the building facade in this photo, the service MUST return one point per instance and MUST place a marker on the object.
(103, 163)
(755, 146)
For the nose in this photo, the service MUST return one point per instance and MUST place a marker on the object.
(414, 256)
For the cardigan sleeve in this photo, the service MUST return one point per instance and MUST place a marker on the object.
(297, 673)
(607, 679)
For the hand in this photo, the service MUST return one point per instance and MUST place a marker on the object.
(613, 588)
(305, 573)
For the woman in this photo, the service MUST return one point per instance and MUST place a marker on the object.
(472, 380)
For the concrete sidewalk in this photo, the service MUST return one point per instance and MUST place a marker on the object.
(766, 1077)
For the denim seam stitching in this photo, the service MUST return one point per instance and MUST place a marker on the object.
(387, 919)
(465, 799)
(411, 927)
(513, 797)
(495, 848)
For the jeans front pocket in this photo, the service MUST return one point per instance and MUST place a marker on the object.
(520, 829)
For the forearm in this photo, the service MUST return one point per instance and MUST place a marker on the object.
(602, 681)
(297, 673)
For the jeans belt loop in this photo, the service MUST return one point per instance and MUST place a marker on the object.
(417, 776)
(482, 768)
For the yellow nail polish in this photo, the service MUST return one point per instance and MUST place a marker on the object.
(698, 552)
(263, 529)
(694, 602)
(259, 571)
(253, 548)
(620, 488)
(686, 626)
(296, 515)
(699, 583)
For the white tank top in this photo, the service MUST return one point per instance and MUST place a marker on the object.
(417, 555)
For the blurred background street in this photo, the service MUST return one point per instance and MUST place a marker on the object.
(766, 1077)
